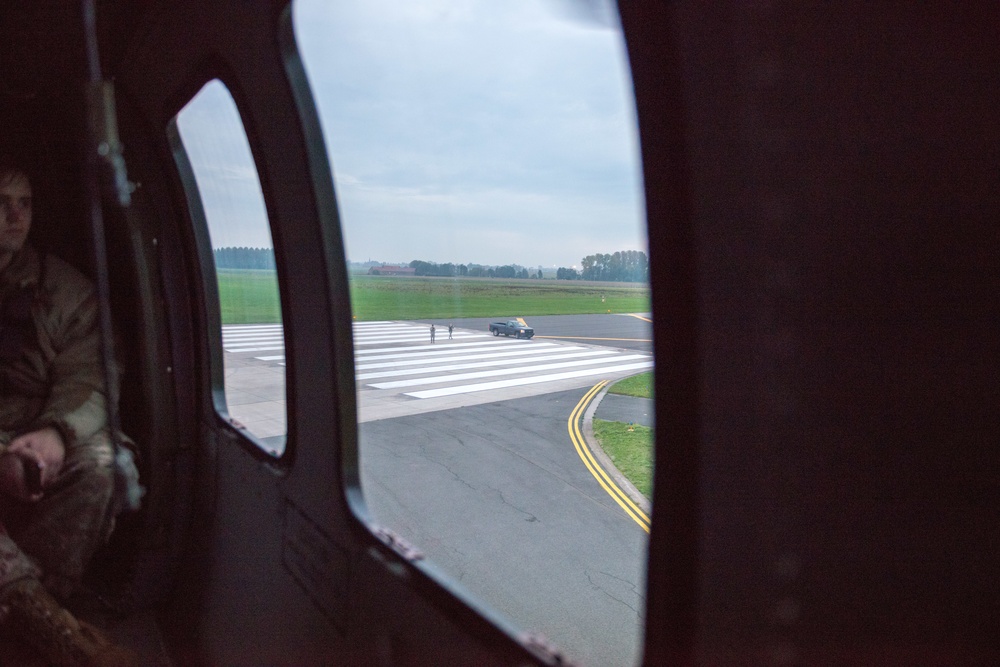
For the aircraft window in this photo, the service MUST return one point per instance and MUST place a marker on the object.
(484, 157)
(244, 266)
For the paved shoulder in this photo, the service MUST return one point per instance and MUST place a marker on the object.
(629, 409)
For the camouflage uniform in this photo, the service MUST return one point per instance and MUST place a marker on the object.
(55, 379)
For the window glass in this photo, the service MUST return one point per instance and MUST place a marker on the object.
(252, 337)
(486, 167)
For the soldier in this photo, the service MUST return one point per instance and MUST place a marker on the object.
(57, 466)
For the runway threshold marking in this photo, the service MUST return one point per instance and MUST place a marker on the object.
(635, 340)
(521, 382)
(602, 477)
(478, 375)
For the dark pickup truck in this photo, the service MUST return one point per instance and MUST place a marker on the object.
(512, 328)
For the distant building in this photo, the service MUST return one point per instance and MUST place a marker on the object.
(392, 271)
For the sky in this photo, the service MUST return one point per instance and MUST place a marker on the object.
(464, 131)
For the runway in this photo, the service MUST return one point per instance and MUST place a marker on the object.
(401, 371)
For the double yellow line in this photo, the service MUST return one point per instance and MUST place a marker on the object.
(594, 467)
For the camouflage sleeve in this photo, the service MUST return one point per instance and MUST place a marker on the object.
(76, 402)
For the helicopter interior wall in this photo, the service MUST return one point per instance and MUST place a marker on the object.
(41, 137)
(239, 577)
(822, 198)
(152, 258)
(47, 135)
(822, 189)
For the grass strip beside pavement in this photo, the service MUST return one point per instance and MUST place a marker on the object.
(251, 296)
(630, 451)
(640, 385)
(384, 298)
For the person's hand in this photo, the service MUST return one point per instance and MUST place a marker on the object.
(43, 448)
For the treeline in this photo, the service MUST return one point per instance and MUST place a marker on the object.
(244, 258)
(625, 266)
(449, 270)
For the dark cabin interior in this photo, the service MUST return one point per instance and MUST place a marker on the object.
(822, 189)
(43, 110)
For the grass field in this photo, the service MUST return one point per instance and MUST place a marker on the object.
(250, 296)
(638, 385)
(630, 451)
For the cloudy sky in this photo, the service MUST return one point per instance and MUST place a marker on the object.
(465, 131)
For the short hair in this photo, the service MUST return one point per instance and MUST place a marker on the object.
(11, 166)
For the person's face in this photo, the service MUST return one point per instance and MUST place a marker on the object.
(15, 211)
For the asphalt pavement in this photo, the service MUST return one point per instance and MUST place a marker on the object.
(466, 450)
(628, 409)
(624, 331)
(498, 499)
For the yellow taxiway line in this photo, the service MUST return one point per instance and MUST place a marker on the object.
(602, 477)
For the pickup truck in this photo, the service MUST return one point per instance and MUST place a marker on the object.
(512, 328)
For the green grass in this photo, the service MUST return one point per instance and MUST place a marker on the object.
(249, 296)
(252, 297)
(377, 298)
(638, 385)
(630, 451)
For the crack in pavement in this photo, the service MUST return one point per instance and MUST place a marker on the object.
(531, 517)
(631, 584)
(601, 588)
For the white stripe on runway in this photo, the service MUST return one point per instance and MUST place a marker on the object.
(254, 334)
(250, 334)
(444, 348)
(248, 328)
(390, 332)
(390, 348)
(383, 325)
(438, 353)
(250, 341)
(518, 382)
(245, 336)
(481, 364)
(414, 362)
(386, 327)
(456, 377)
(251, 347)
(421, 336)
(401, 352)
(236, 345)
(479, 347)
